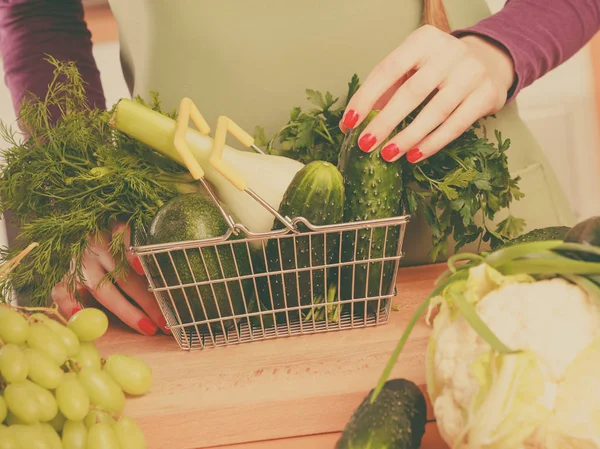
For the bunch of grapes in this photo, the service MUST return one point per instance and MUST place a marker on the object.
(57, 392)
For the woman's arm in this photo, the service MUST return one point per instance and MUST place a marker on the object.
(32, 29)
(539, 35)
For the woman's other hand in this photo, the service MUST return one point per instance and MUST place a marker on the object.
(97, 262)
(464, 80)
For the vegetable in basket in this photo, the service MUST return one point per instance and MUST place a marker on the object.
(316, 194)
(194, 217)
(373, 190)
(514, 354)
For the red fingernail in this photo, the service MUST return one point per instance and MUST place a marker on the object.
(163, 326)
(137, 266)
(366, 142)
(147, 327)
(390, 151)
(350, 119)
(414, 155)
(75, 310)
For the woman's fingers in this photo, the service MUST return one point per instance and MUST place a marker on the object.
(408, 97)
(107, 294)
(452, 93)
(381, 80)
(132, 260)
(135, 287)
(67, 302)
(131, 284)
(476, 105)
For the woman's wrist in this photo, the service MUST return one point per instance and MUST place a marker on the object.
(495, 58)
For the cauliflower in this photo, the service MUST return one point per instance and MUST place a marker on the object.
(543, 394)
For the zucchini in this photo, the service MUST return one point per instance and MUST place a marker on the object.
(195, 217)
(395, 420)
(317, 194)
(373, 190)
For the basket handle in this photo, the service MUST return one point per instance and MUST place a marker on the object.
(188, 111)
(225, 125)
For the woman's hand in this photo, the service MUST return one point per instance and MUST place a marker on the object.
(464, 79)
(97, 261)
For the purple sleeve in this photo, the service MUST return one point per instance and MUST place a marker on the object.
(539, 35)
(32, 29)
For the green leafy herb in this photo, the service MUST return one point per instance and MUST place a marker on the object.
(460, 189)
(314, 134)
(73, 176)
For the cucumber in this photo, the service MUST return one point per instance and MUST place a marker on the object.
(317, 194)
(538, 235)
(373, 190)
(194, 216)
(395, 420)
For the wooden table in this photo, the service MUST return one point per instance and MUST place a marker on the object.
(290, 393)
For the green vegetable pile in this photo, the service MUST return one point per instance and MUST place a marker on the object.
(460, 189)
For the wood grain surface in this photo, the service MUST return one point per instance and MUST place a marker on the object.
(287, 393)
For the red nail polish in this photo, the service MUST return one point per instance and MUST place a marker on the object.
(75, 310)
(390, 151)
(366, 142)
(147, 327)
(414, 155)
(137, 266)
(350, 119)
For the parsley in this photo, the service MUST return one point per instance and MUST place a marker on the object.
(460, 189)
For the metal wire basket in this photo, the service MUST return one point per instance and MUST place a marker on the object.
(259, 297)
(246, 286)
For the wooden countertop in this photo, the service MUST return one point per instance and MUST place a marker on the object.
(289, 393)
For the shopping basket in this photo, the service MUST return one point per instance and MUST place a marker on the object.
(265, 286)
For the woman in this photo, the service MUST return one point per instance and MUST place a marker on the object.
(253, 60)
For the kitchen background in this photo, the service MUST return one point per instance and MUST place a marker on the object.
(561, 109)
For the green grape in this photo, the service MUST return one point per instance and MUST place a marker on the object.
(30, 437)
(133, 375)
(129, 433)
(14, 328)
(88, 324)
(50, 436)
(58, 421)
(47, 406)
(3, 409)
(22, 401)
(66, 335)
(7, 440)
(13, 364)
(96, 416)
(44, 340)
(74, 435)
(102, 436)
(88, 356)
(11, 419)
(42, 369)
(72, 398)
(102, 389)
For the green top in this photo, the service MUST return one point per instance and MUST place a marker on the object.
(252, 61)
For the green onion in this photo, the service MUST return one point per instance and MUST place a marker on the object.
(461, 275)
